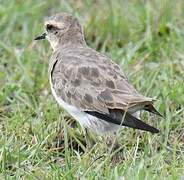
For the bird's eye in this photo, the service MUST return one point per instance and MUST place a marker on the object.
(49, 27)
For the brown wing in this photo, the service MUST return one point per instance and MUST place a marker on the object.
(92, 82)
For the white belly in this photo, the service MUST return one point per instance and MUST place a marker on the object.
(87, 121)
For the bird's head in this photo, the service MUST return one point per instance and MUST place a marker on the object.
(62, 29)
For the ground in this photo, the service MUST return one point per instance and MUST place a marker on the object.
(38, 140)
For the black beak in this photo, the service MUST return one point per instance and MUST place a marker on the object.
(43, 36)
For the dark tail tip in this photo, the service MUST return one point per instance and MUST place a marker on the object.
(133, 122)
(151, 108)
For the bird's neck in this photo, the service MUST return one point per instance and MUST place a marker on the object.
(72, 37)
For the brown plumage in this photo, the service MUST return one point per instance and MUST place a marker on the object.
(88, 84)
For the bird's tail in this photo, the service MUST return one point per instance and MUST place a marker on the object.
(127, 120)
(133, 122)
(151, 108)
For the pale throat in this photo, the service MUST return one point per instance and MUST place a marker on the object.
(54, 44)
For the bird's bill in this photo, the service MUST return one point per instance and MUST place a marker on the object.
(43, 36)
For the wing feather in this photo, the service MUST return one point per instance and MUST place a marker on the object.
(92, 82)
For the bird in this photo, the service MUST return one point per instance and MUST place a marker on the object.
(89, 85)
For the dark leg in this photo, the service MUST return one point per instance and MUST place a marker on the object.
(112, 142)
(114, 149)
(89, 140)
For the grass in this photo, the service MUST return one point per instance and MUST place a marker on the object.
(145, 37)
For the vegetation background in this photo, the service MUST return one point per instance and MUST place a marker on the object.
(38, 140)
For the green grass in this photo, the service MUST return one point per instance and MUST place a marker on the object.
(146, 39)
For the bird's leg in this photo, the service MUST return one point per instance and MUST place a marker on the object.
(114, 149)
(89, 140)
(112, 143)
